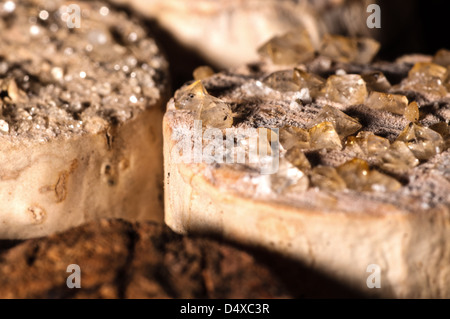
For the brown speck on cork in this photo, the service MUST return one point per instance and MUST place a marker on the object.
(60, 188)
(37, 214)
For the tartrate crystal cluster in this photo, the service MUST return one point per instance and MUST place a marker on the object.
(371, 161)
(210, 110)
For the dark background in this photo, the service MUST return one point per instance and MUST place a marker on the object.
(407, 26)
(414, 26)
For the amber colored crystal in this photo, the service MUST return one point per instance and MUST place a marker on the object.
(377, 145)
(427, 79)
(297, 157)
(327, 178)
(349, 50)
(412, 112)
(428, 70)
(352, 145)
(324, 136)
(376, 81)
(399, 157)
(358, 176)
(282, 81)
(291, 136)
(361, 140)
(355, 173)
(343, 124)
(191, 97)
(215, 113)
(367, 143)
(393, 103)
(348, 89)
(422, 141)
(443, 129)
(212, 111)
(311, 81)
(291, 48)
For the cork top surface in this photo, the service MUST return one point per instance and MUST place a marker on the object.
(73, 67)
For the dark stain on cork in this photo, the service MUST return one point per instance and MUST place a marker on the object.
(60, 188)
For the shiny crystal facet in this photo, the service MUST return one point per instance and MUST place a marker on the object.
(327, 178)
(191, 97)
(355, 173)
(282, 81)
(296, 157)
(324, 136)
(349, 50)
(393, 103)
(352, 145)
(288, 178)
(376, 81)
(412, 112)
(312, 82)
(358, 176)
(399, 157)
(358, 142)
(422, 141)
(291, 136)
(428, 70)
(367, 143)
(348, 89)
(212, 111)
(443, 129)
(427, 79)
(343, 124)
(216, 113)
(290, 48)
(202, 72)
(377, 145)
